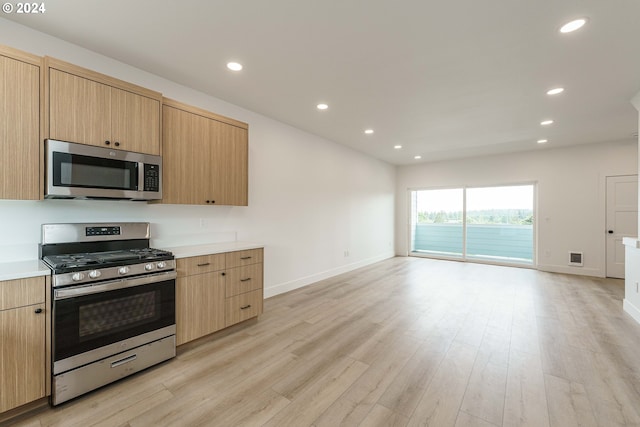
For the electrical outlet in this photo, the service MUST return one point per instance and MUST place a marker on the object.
(203, 223)
(346, 254)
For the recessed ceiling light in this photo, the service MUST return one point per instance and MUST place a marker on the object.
(576, 24)
(397, 147)
(542, 141)
(234, 66)
(368, 131)
(322, 106)
(417, 157)
(555, 91)
(546, 122)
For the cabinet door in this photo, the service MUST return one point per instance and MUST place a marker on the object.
(200, 306)
(186, 158)
(79, 109)
(229, 150)
(19, 129)
(136, 122)
(236, 151)
(22, 356)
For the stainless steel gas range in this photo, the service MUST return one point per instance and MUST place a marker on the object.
(113, 303)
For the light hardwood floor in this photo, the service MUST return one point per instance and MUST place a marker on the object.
(403, 342)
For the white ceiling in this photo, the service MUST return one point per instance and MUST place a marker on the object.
(443, 78)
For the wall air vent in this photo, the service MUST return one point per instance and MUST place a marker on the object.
(575, 259)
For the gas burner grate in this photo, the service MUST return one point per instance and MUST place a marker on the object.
(104, 259)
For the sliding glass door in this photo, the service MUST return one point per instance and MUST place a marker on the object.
(500, 224)
(492, 224)
(437, 222)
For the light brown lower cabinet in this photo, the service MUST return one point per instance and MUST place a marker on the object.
(244, 286)
(200, 306)
(22, 342)
(217, 291)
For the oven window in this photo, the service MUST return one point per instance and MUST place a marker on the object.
(73, 170)
(88, 322)
(114, 315)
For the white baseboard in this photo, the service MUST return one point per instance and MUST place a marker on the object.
(631, 310)
(308, 280)
(580, 271)
(305, 281)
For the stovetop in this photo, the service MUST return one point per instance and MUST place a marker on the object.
(90, 253)
(94, 260)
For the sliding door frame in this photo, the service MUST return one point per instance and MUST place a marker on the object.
(463, 258)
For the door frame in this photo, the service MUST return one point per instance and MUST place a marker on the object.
(463, 258)
(605, 213)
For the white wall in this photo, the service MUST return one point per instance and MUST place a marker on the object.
(571, 195)
(310, 200)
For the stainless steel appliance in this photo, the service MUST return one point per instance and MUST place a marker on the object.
(113, 303)
(85, 171)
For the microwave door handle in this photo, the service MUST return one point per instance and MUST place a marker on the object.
(140, 168)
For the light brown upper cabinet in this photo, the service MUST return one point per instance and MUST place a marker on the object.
(94, 109)
(205, 157)
(20, 112)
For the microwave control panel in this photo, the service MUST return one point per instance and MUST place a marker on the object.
(151, 177)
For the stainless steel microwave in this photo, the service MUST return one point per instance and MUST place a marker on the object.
(89, 172)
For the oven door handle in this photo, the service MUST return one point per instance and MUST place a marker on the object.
(112, 285)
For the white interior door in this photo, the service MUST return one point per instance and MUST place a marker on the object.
(622, 219)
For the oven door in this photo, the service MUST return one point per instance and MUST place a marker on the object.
(94, 321)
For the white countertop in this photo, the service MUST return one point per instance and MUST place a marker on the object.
(211, 248)
(23, 269)
(35, 268)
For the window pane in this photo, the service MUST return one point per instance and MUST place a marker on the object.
(437, 222)
(500, 223)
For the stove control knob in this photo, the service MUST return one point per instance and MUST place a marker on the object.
(161, 264)
(123, 270)
(94, 274)
(76, 277)
(149, 267)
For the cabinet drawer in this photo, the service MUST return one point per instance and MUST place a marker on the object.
(22, 292)
(243, 279)
(240, 258)
(199, 264)
(242, 307)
